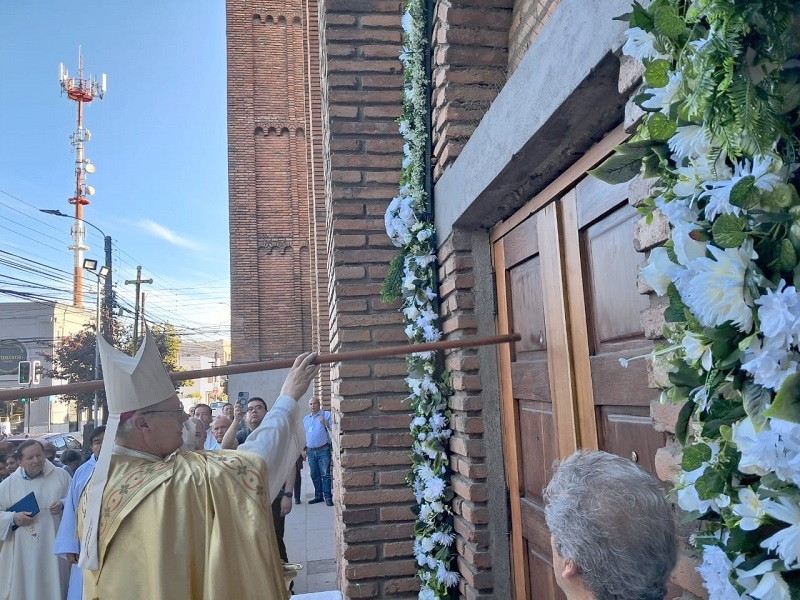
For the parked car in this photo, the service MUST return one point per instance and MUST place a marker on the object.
(62, 441)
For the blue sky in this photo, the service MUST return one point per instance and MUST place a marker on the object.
(159, 145)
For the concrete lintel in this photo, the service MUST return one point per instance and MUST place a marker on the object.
(561, 99)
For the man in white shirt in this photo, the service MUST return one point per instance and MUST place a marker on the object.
(203, 412)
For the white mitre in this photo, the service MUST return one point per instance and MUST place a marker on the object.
(131, 383)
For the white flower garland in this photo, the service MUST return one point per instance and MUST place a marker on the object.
(409, 228)
(719, 133)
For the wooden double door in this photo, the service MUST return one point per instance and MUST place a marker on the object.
(566, 281)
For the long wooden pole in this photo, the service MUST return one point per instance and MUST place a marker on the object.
(272, 365)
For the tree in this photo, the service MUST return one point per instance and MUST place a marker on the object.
(73, 357)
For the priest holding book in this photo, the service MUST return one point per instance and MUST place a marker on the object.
(28, 526)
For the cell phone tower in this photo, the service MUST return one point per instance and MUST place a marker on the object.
(81, 90)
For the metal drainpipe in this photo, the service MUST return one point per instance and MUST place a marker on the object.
(429, 12)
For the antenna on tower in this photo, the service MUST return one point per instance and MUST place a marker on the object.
(82, 91)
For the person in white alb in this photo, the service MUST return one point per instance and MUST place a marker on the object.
(28, 568)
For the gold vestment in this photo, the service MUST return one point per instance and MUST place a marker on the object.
(195, 526)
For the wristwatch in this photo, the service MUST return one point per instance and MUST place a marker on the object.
(286, 494)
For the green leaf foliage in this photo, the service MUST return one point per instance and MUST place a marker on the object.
(786, 405)
(660, 127)
(710, 484)
(694, 456)
(683, 420)
(618, 168)
(728, 231)
(668, 22)
(742, 192)
(657, 73)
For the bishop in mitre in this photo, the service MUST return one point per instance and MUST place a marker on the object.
(159, 522)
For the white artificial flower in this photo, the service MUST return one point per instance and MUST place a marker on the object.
(786, 543)
(448, 578)
(779, 313)
(426, 544)
(688, 499)
(759, 449)
(406, 21)
(411, 312)
(442, 538)
(769, 362)
(414, 384)
(424, 235)
(771, 587)
(749, 579)
(419, 421)
(424, 472)
(660, 270)
(749, 509)
(788, 467)
(689, 141)
(409, 281)
(431, 333)
(695, 172)
(426, 593)
(438, 421)
(713, 288)
(663, 97)
(425, 512)
(701, 43)
(639, 45)
(423, 260)
(716, 570)
(767, 171)
(696, 348)
(404, 127)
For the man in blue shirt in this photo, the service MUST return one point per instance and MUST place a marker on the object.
(318, 445)
(67, 545)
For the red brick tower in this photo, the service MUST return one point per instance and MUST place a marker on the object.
(275, 182)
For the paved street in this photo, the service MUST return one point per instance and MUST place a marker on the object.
(309, 541)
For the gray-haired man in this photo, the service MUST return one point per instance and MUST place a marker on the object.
(611, 529)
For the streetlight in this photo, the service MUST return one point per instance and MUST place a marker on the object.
(107, 243)
(90, 265)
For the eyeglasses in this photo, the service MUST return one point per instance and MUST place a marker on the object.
(176, 412)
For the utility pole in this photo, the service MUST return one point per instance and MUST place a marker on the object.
(138, 283)
(82, 91)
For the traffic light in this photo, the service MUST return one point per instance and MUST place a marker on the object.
(25, 371)
(36, 371)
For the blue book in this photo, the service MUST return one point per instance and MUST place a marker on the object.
(27, 504)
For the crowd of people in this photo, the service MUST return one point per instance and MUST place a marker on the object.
(151, 484)
(89, 514)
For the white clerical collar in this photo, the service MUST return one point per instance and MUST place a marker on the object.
(136, 453)
(117, 449)
(45, 471)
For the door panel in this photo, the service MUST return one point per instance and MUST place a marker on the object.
(628, 432)
(613, 307)
(530, 395)
(566, 276)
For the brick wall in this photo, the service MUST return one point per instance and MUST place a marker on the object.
(470, 59)
(530, 17)
(479, 505)
(362, 97)
(275, 175)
